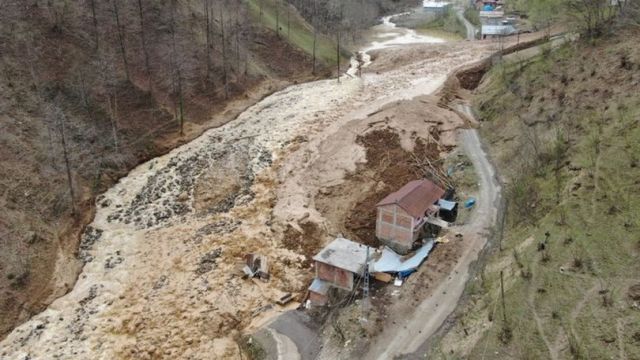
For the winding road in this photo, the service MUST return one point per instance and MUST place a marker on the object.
(433, 311)
(471, 29)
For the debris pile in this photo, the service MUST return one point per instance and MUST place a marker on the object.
(256, 266)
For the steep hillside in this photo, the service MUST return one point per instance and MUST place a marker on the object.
(564, 130)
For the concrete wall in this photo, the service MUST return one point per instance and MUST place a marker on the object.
(394, 227)
(338, 277)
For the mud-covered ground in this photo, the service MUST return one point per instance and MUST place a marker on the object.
(163, 256)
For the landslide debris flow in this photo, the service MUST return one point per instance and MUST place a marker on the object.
(163, 255)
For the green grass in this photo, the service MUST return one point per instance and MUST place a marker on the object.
(471, 14)
(448, 22)
(446, 26)
(585, 196)
(300, 34)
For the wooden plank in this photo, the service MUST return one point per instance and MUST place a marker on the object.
(438, 222)
(384, 277)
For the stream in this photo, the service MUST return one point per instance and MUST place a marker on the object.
(161, 276)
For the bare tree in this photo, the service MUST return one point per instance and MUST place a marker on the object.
(96, 33)
(315, 33)
(630, 12)
(145, 50)
(60, 120)
(237, 36)
(340, 14)
(121, 37)
(177, 69)
(288, 21)
(592, 15)
(109, 81)
(277, 18)
(223, 37)
(207, 21)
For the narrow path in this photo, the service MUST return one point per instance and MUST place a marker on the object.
(286, 349)
(471, 29)
(553, 350)
(434, 310)
(620, 334)
(580, 305)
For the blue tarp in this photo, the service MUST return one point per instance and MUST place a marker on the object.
(392, 262)
(487, 7)
(469, 203)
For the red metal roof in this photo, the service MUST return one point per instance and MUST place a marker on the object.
(415, 197)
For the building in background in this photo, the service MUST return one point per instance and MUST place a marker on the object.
(495, 24)
(436, 7)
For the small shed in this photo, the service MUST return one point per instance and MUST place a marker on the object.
(339, 262)
(448, 210)
(337, 266)
(403, 214)
(436, 7)
(319, 292)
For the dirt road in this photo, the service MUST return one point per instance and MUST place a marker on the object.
(471, 29)
(406, 340)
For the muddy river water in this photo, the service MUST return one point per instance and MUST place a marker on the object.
(161, 278)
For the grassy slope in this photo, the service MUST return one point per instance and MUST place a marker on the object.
(580, 108)
(446, 26)
(300, 34)
(448, 23)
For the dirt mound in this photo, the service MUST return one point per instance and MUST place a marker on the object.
(391, 167)
(308, 242)
(471, 77)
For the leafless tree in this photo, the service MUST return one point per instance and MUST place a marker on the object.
(177, 68)
(108, 80)
(145, 50)
(121, 36)
(223, 38)
(60, 119)
(315, 33)
(94, 17)
(277, 18)
(592, 15)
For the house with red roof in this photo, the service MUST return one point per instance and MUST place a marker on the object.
(402, 215)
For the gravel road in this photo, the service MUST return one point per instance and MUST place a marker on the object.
(432, 312)
(471, 29)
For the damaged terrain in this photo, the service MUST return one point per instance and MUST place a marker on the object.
(164, 255)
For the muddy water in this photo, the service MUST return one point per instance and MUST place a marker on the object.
(387, 35)
(161, 277)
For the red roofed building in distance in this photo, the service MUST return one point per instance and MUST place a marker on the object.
(403, 214)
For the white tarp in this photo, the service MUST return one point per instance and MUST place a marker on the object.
(390, 261)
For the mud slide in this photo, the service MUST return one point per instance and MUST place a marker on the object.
(163, 256)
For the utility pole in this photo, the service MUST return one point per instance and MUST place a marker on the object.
(503, 222)
(315, 34)
(504, 308)
(365, 289)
